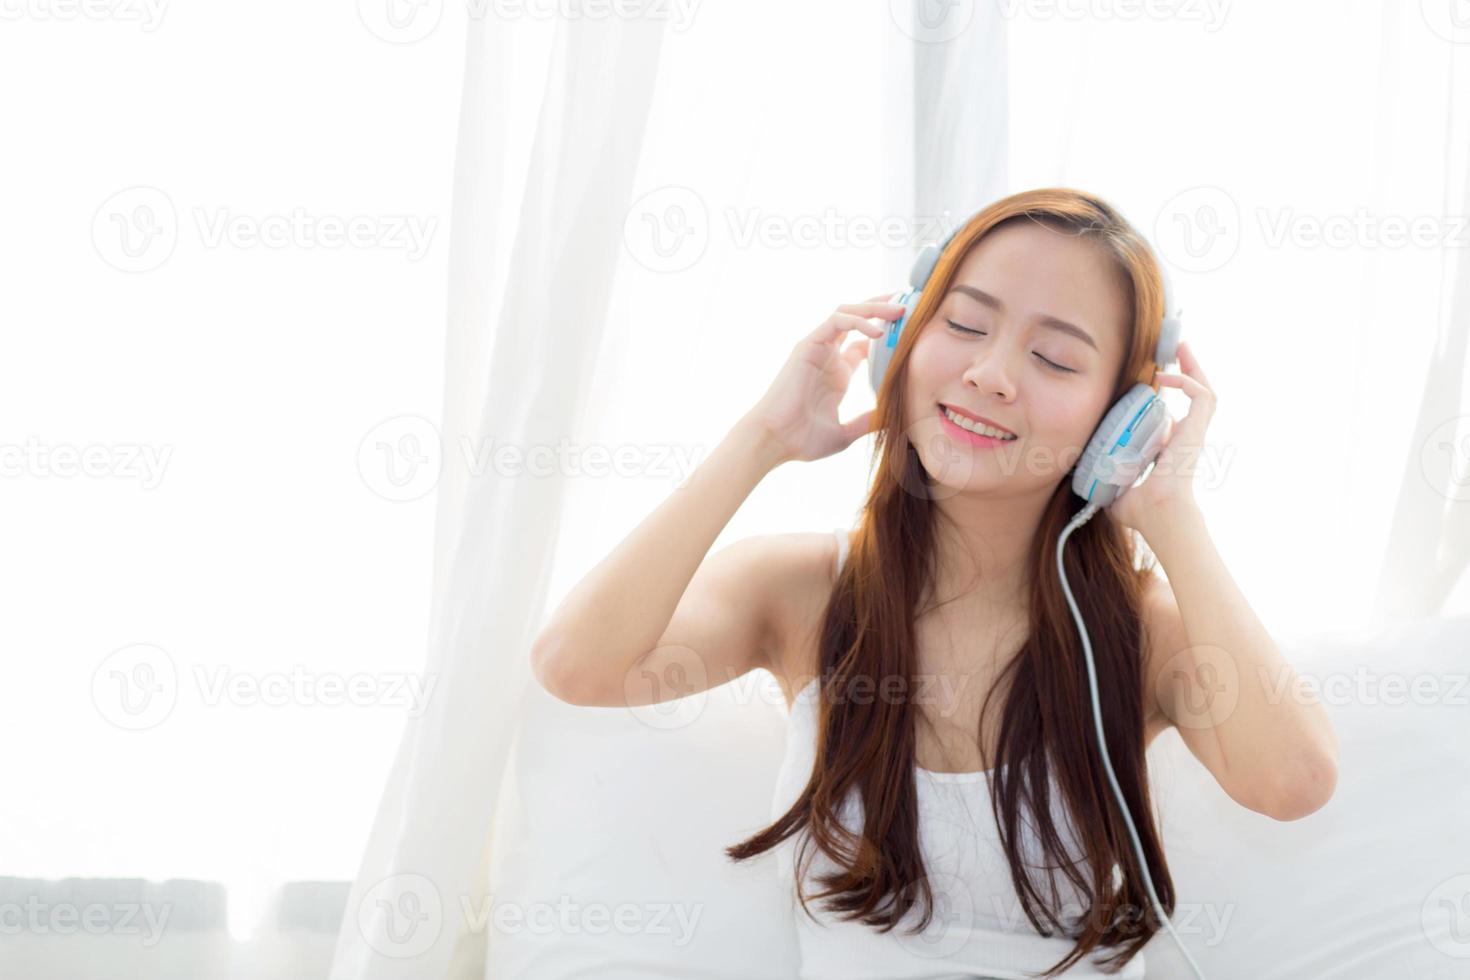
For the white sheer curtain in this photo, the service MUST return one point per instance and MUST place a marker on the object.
(539, 202)
(639, 238)
(1429, 540)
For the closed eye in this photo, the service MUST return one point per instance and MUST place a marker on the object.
(981, 333)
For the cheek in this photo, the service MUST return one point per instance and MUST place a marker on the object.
(925, 371)
(926, 362)
(1069, 421)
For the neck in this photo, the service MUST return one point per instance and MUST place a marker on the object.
(983, 545)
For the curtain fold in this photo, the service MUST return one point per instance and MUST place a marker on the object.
(1429, 539)
(939, 165)
(528, 295)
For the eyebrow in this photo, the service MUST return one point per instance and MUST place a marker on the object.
(1045, 320)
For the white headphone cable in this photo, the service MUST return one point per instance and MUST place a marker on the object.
(1083, 516)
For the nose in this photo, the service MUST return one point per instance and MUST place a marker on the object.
(990, 372)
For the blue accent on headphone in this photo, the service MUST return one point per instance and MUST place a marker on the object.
(1112, 461)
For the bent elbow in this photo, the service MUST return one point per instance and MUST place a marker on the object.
(548, 666)
(1308, 790)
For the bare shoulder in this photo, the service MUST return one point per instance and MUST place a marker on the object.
(802, 567)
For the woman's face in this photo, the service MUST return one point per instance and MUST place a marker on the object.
(1030, 337)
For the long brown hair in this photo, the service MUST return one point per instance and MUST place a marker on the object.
(866, 745)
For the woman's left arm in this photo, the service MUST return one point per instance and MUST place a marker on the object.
(1220, 679)
(1214, 669)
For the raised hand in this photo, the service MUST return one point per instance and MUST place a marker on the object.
(800, 407)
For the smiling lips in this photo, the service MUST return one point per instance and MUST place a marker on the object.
(972, 429)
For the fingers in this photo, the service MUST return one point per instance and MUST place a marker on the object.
(873, 308)
(854, 352)
(1196, 391)
(840, 323)
(859, 426)
(1190, 363)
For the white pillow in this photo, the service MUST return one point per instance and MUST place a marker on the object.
(610, 807)
(1376, 883)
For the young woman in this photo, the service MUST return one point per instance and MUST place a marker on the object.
(943, 770)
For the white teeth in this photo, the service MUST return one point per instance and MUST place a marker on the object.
(977, 427)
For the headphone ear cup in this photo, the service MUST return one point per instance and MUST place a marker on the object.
(880, 349)
(1129, 434)
(880, 352)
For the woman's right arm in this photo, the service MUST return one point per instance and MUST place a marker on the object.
(656, 619)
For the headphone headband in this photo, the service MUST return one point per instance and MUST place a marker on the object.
(1167, 351)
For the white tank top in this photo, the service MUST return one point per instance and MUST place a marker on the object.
(978, 929)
